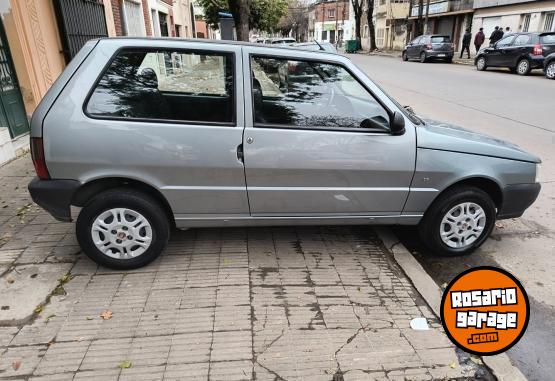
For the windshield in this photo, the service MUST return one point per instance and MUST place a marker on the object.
(440, 39)
(409, 113)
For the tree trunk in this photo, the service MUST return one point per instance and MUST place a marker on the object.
(357, 7)
(240, 11)
(419, 23)
(371, 27)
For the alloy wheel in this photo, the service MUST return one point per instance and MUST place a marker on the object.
(523, 67)
(550, 71)
(481, 63)
(462, 225)
(121, 233)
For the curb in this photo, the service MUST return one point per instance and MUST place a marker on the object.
(500, 365)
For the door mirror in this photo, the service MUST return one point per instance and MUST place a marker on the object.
(397, 125)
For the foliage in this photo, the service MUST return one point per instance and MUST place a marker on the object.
(295, 19)
(263, 14)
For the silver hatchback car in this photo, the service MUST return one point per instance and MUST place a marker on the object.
(147, 134)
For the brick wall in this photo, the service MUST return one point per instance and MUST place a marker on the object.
(116, 11)
(340, 11)
(146, 13)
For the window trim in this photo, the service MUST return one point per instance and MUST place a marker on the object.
(232, 123)
(313, 128)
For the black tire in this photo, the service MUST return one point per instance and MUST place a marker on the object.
(423, 57)
(430, 226)
(550, 70)
(449, 60)
(481, 63)
(405, 56)
(136, 201)
(523, 67)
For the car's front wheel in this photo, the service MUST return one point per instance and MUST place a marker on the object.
(481, 64)
(405, 56)
(122, 229)
(458, 222)
(523, 67)
(550, 70)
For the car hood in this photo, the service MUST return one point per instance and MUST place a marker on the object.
(448, 137)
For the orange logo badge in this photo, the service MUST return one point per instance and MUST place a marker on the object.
(485, 310)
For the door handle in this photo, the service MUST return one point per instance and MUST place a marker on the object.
(240, 153)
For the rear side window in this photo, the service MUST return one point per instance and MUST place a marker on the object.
(548, 39)
(440, 39)
(166, 85)
(523, 39)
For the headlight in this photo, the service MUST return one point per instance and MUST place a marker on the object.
(538, 166)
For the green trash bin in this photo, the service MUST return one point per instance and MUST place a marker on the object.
(351, 46)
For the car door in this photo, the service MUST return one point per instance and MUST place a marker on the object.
(500, 54)
(317, 142)
(521, 45)
(415, 48)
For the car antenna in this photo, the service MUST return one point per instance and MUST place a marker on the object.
(317, 43)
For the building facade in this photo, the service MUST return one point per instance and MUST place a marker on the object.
(390, 23)
(158, 18)
(331, 21)
(519, 16)
(447, 17)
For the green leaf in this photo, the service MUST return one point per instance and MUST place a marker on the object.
(125, 364)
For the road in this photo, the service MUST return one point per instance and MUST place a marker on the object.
(510, 107)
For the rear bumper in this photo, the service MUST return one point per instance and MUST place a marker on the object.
(436, 54)
(54, 196)
(537, 61)
(517, 198)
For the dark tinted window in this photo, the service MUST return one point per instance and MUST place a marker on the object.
(167, 85)
(440, 39)
(312, 95)
(505, 41)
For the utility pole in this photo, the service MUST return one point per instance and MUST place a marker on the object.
(426, 18)
(419, 23)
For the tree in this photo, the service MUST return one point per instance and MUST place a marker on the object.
(247, 14)
(357, 7)
(371, 27)
(296, 20)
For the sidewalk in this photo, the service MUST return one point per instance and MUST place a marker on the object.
(305, 303)
(397, 54)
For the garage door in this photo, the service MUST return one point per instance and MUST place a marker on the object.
(489, 24)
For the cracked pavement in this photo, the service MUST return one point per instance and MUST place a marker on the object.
(293, 303)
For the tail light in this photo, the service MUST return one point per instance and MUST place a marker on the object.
(37, 153)
(538, 51)
(429, 47)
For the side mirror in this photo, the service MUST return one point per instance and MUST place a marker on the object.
(397, 125)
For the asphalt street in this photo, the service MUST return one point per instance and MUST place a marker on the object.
(513, 108)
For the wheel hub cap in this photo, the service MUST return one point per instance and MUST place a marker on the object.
(121, 233)
(462, 225)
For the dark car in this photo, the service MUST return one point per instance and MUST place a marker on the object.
(429, 46)
(549, 66)
(520, 52)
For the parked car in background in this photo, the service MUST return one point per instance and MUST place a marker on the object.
(519, 52)
(428, 47)
(282, 41)
(321, 46)
(549, 66)
(262, 41)
(306, 139)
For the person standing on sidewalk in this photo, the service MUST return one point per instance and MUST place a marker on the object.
(479, 39)
(466, 43)
(496, 35)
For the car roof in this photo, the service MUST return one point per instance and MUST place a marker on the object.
(150, 40)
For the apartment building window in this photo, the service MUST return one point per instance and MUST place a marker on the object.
(132, 18)
(331, 13)
(324, 35)
(163, 24)
(548, 24)
(525, 24)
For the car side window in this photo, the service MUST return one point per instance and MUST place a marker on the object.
(167, 85)
(314, 95)
(505, 41)
(416, 40)
(523, 39)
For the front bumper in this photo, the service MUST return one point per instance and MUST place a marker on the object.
(54, 196)
(517, 198)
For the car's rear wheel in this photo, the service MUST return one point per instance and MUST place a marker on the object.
(405, 56)
(550, 70)
(449, 60)
(523, 67)
(481, 64)
(458, 222)
(422, 57)
(122, 229)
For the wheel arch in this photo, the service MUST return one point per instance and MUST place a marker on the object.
(488, 185)
(91, 188)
